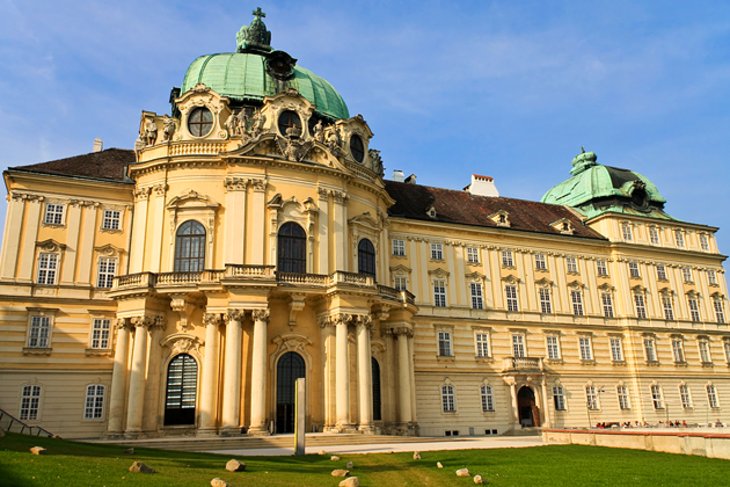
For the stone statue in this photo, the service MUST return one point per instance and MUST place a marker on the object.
(257, 124)
(231, 125)
(150, 131)
(332, 137)
(319, 131)
(292, 131)
(169, 129)
(376, 162)
(139, 144)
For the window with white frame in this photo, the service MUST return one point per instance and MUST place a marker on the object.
(400, 282)
(481, 344)
(439, 293)
(634, 269)
(661, 272)
(572, 264)
(100, 333)
(591, 397)
(685, 396)
(47, 268)
(39, 334)
(586, 349)
(622, 392)
(703, 344)
(559, 398)
(687, 274)
(626, 231)
(678, 350)
(712, 277)
(477, 300)
(518, 345)
(399, 247)
(726, 347)
(444, 344)
(617, 349)
(29, 402)
(437, 251)
(106, 272)
(540, 262)
(54, 214)
(717, 304)
(650, 349)
(712, 400)
(507, 260)
(607, 302)
(601, 267)
(704, 242)
(546, 305)
(657, 397)
(576, 298)
(487, 398)
(111, 220)
(667, 305)
(552, 344)
(472, 255)
(679, 238)
(448, 399)
(510, 291)
(654, 235)
(640, 305)
(694, 308)
(94, 404)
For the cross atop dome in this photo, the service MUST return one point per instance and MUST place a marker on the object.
(258, 13)
(254, 37)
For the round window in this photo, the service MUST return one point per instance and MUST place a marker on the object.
(290, 125)
(357, 148)
(200, 122)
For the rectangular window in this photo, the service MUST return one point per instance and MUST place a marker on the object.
(654, 235)
(472, 255)
(54, 214)
(685, 396)
(111, 220)
(477, 301)
(487, 398)
(572, 263)
(437, 251)
(559, 398)
(661, 272)
(107, 272)
(591, 397)
(719, 311)
(607, 302)
(439, 293)
(657, 397)
(518, 345)
(546, 305)
(687, 274)
(29, 402)
(650, 349)
(510, 292)
(94, 405)
(622, 392)
(40, 332)
(704, 346)
(601, 267)
(678, 350)
(576, 298)
(47, 268)
(667, 305)
(481, 342)
(400, 283)
(540, 262)
(634, 269)
(626, 231)
(100, 330)
(617, 349)
(448, 402)
(712, 396)
(726, 347)
(712, 277)
(553, 347)
(444, 339)
(704, 242)
(507, 260)
(586, 350)
(640, 305)
(399, 247)
(694, 308)
(679, 238)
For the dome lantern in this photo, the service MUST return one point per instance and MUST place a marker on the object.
(254, 37)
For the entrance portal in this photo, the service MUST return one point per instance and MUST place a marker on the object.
(290, 368)
(529, 413)
(182, 386)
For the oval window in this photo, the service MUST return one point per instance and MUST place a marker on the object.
(200, 122)
(357, 148)
(290, 125)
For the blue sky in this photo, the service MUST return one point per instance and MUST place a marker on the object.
(505, 88)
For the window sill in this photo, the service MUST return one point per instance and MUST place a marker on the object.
(651, 363)
(707, 364)
(110, 230)
(483, 359)
(54, 225)
(620, 363)
(98, 352)
(555, 361)
(446, 358)
(680, 364)
(587, 361)
(36, 351)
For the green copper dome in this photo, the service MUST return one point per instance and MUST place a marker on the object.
(595, 189)
(255, 71)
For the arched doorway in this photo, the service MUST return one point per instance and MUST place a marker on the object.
(289, 368)
(529, 413)
(377, 407)
(182, 388)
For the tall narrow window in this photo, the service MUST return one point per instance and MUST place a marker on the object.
(546, 305)
(719, 310)
(712, 277)
(54, 214)
(657, 398)
(622, 392)
(640, 305)
(679, 238)
(94, 404)
(510, 292)
(47, 268)
(437, 251)
(106, 272)
(668, 309)
(650, 349)
(190, 247)
(552, 343)
(399, 247)
(586, 350)
(111, 220)
(704, 242)
(634, 269)
(661, 272)
(472, 255)
(29, 401)
(487, 398)
(654, 235)
(601, 267)
(559, 398)
(366, 257)
(687, 274)
(518, 345)
(100, 330)
(448, 401)
(576, 298)
(617, 349)
(694, 308)
(481, 343)
(507, 260)
(726, 347)
(626, 231)
(678, 350)
(444, 343)
(40, 332)
(377, 397)
(540, 262)
(477, 301)
(182, 386)
(704, 346)
(607, 302)
(439, 293)
(572, 264)
(400, 283)
(685, 396)
(712, 396)
(591, 397)
(292, 253)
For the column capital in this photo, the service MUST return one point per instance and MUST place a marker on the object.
(122, 323)
(400, 330)
(234, 315)
(212, 319)
(346, 319)
(148, 321)
(260, 315)
(236, 184)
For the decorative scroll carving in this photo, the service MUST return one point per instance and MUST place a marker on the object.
(141, 194)
(181, 343)
(26, 197)
(258, 184)
(345, 318)
(260, 315)
(234, 315)
(213, 319)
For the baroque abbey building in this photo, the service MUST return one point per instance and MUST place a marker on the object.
(250, 239)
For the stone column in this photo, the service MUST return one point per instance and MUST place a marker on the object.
(119, 379)
(12, 234)
(152, 386)
(340, 230)
(135, 403)
(231, 411)
(513, 397)
(342, 374)
(258, 372)
(327, 334)
(323, 233)
(404, 376)
(258, 210)
(545, 415)
(364, 374)
(209, 386)
(235, 220)
(156, 227)
(139, 230)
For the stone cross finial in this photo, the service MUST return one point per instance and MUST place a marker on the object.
(258, 13)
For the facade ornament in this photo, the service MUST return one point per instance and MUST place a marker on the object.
(121, 323)
(26, 197)
(181, 343)
(234, 315)
(257, 124)
(376, 162)
(150, 131)
(339, 196)
(318, 132)
(141, 194)
(254, 37)
(212, 319)
(139, 144)
(292, 148)
(144, 321)
(258, 184)
(160, 189)
(236, 184)
(169, 130)
(333, 140)
(260, 315)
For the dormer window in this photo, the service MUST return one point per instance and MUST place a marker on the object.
(501, 218)
(357, 148)
(563, 226)
(200, 122)
(431, 212)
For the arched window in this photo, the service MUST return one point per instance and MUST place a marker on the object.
(366, 257)
(182, 387)
(377, 403)
(290, 367)
(190, 247)
(292, 254)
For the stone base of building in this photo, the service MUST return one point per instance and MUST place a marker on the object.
(258, 431)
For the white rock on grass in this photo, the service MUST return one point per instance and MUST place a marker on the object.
(350, 482)
(463, 472)
(321, 452)
(216, 482)
(478, 479)
(439, 465)
(234, 465)
(139, 467)
(416, 455)
(349, 465)
(335, 458)
(339, 472)
(38, 450)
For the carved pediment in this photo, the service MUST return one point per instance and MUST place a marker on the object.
(50, 245)
(511, 278)
(544, 282)
(192, 199)
(400, 268)
(367, 221)
(181, 343)
(439, 272)
(109, 250)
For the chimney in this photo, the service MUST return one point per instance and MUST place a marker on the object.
(398, 176)
(410, 179)
(482, 186)
(98, 145)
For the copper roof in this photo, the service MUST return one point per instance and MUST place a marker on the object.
(413, 201)
(106, 165)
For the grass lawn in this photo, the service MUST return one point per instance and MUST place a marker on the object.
(73, 464)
